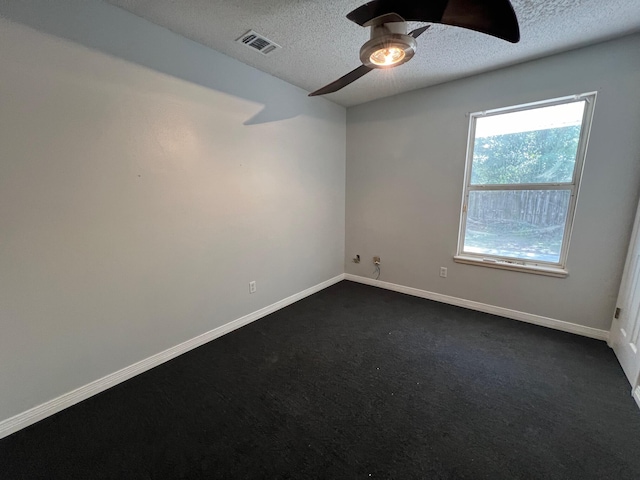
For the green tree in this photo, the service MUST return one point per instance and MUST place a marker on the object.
(540, 156)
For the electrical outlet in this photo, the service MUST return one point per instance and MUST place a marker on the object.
(252, 287)
(356, 259)
(376, 260)
(443, 272)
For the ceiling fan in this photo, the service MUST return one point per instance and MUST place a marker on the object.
(390, 45)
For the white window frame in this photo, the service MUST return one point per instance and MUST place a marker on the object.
(558, 269)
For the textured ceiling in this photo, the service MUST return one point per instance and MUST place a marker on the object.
(320, 44)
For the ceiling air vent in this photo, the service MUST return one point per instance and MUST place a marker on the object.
(257, 42)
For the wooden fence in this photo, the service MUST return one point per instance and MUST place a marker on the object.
(522, 209)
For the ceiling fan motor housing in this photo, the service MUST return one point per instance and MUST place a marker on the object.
(385, 36)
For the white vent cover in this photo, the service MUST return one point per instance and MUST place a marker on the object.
(258, 42)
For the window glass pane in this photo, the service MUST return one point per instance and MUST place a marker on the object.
(522, 224)
(531, 146)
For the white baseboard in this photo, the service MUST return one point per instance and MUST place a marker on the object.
(483, 307)
(636, 395)
(31, 416)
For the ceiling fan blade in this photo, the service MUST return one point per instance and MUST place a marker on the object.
(419, 31)
(493, 17)
(387, 18)
(409, 10)
(343, 81)
(496, 17)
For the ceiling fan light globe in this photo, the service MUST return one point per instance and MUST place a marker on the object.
(388, 51)
(387, 57)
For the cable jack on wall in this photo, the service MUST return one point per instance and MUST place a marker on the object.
(376, 262)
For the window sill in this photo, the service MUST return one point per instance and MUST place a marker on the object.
(535, 269)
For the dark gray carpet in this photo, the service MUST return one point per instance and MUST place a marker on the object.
(354, 382)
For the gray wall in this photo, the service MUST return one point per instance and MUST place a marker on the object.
(405, 168)
(144, 181)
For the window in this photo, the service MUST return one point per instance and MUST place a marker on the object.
(523, 172)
